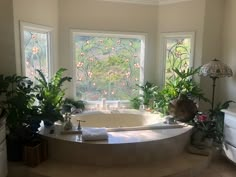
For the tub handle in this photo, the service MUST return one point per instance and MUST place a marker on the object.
(79, 124)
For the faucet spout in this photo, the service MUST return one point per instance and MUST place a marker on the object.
(79, 124)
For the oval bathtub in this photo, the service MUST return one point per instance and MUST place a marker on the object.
(150, 140)
(122, 120)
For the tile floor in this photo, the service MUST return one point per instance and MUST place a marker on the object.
(220, 167)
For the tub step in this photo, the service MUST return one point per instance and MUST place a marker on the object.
(186, 165)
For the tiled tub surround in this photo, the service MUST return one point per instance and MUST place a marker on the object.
(155, 142)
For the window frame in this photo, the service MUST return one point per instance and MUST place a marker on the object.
(39, 29)
(141, 36)
(163, 41)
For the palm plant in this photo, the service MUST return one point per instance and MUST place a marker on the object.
(50, 95)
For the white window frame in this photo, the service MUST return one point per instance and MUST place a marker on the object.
(40, 29)
(164, 37)
(141, 36)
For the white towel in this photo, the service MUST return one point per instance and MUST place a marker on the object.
(89, 134)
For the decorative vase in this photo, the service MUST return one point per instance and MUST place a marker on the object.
(68, 125)
(182, 109)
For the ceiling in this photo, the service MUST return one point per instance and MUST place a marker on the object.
(147, 2)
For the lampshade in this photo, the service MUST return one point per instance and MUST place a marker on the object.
(215, 69)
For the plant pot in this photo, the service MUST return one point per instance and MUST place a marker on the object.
(14, 148)
(182, 109)
(44, 150)
(208, 142)
(32, 154)
(35, 152)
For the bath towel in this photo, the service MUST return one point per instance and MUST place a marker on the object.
(91, 134)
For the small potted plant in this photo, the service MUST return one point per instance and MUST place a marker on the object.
(209, 126)
(145, 99)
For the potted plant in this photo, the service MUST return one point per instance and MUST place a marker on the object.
(179, 94)
(73, 106)
(146, 97)
(136, 102)
(50, 95)
(18, 99)
(209, 127)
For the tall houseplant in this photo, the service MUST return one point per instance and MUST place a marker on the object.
(17, 99)
(50, 95)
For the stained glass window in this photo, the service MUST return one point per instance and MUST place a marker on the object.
(178, 54)
(36, 51)
(107, 66)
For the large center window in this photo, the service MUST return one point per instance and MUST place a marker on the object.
(107, 65)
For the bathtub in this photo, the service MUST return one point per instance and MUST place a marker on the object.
(133, 138)
(122, 120)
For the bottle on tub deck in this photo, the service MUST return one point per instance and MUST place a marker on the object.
(142, 107)
(103, 103)
(98, 106)
(118, 104)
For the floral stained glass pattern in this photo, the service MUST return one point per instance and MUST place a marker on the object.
(107, 67)
(178, 51)
(36, 53)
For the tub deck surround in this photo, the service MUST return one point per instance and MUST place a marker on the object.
(153, 142)
(121, 148)
(120, 137)
(186, 165)
(123, 126)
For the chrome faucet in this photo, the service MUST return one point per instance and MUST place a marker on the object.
(79, 124)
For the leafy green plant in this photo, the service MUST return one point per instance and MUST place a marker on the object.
(162, 99)
(136, 102)
(211, 124)
(185, 85)
(148, 90)
(50, 95)
(73, 106)
(18, 100)
(217, 116)
(181, 83)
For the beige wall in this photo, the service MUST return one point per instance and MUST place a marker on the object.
(212, 44)
(7, 52)
(182, 17)
(204, 17)
(43, 12)
(106, 16)
(228, 85)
